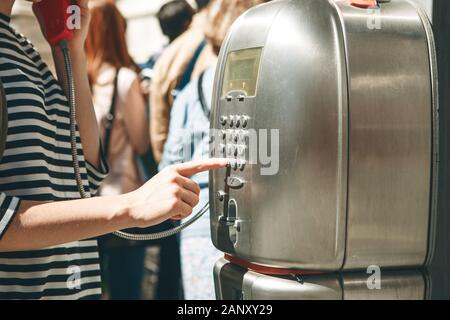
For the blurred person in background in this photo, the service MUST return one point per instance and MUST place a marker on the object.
(183, 60)
(174, 18)
(121, 115)
(168, 69)
(189, 130)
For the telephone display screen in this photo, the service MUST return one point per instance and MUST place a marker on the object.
(242, 71)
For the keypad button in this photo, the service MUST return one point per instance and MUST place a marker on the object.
(244, 121)
(232, 121)
(223, 134)
(230, 135)
(241, 136)
(223, 120)
(241, 151)
(231, 151)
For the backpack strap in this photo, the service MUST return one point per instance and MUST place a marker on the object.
(201, 96)
(3, 120)
(111, 116)
(190, 69)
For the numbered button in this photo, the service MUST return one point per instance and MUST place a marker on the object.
(244, 121)
(230, 135)
(241, 136)
(238, 121)
(241, 151)
(231, 150)
(222, 149)
(232, 121)
(223, 120)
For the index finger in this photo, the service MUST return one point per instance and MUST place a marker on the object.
(191, 168)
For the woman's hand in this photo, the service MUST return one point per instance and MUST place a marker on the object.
(169, 195)
(77, 42)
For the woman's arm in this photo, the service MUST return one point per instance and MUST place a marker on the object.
(136, 120)
(169, 195)
(39, 225)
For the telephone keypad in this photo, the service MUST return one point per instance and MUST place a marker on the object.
(234, 137)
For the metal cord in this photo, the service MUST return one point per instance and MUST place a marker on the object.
(73, 116)
(163, 234)
(76, 164)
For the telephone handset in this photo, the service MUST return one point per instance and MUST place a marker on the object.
(56, 16)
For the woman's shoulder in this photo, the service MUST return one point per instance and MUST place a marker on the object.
(126, 79)
(128, 75)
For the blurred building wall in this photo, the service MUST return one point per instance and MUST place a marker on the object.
(24, 22)
(143, 34)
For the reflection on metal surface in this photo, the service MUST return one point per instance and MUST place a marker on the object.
(235, 283)
(356, 110)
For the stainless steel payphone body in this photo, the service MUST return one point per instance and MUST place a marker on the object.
(346, 97)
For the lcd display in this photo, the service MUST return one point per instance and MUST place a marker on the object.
(242, 71)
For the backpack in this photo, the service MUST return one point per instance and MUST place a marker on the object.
(3, 120)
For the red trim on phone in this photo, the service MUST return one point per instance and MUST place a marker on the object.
(267, 270)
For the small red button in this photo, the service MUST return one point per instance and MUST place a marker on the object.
(364, 3)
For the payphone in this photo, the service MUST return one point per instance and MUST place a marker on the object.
(343, 94)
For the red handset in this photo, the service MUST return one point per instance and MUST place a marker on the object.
(56, 19)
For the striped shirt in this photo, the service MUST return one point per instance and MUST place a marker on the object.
(37, 166)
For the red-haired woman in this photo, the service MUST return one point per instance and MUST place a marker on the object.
(120, 111)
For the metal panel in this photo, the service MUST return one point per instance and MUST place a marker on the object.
(390, 134)
(394, 285)
(283, 216)
(353, 102)
(236, 283)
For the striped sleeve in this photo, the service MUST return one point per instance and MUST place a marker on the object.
(8, 209)
(96, 176)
